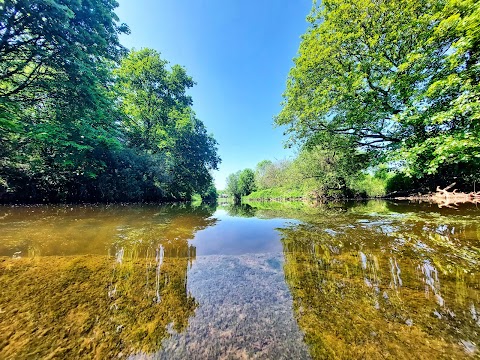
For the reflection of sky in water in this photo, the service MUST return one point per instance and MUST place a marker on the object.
(236, 236)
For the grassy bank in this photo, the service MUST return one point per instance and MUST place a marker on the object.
(278, 193)
(363, 187)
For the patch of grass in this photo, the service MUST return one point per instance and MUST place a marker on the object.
(275, 193)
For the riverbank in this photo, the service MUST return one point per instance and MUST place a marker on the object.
(283, 194)
(442, 197)
(445, 197)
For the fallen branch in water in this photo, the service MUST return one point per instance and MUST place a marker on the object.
(445, 198)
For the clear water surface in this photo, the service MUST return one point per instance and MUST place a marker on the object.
(367, 280)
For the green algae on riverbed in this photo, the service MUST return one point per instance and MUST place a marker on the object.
(90, 306)
(391, 287)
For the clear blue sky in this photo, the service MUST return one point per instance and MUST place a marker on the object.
(239, 52)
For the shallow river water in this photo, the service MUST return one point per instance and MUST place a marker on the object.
(369, 280)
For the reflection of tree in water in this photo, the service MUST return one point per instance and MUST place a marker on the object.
(98, 306)
(373, 287)
(240, 210)
(177, 225)
(73, 230)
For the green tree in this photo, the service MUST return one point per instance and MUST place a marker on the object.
(232, 186)
(55, 107)
(246, 182)
(396, 78)
(44, 38)
(325, 172)
(452, 144)
(149, 93)
(192, 155)
(261, 173)
(240, 184)
(75, 126)
(158, 120)
(210, 195)
(270, 174)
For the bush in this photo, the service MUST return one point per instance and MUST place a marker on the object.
(399, 182)
(210, 196)
(369, 186)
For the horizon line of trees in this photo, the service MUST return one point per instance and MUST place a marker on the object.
(313, 173)
(84, 119)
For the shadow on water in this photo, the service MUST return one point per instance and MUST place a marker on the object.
(380, 280)
(91, 305)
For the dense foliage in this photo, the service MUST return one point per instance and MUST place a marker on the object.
(240, 184)
(314, 173)
(396, 80)
(83, 119)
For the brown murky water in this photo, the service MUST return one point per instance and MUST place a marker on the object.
(365, 280)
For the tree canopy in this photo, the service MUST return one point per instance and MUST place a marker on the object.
(396, 79)
(83, 119)
(42, 40)
(158, 119)
(241, 183)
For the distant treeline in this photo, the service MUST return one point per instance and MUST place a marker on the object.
(83, 119)
(384, 96)
(312, 174)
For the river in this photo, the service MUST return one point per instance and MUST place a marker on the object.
(367, 280)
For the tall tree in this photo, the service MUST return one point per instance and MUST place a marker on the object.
(232, 186)
(240, 184)
(158, 120)
(270, 174)
(55, 109)
(390, 75)
(246, 182)
(192, 153)
(150, 92)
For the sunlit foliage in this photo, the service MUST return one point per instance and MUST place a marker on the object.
(397, 79)
(81, 119)
(241, 183)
